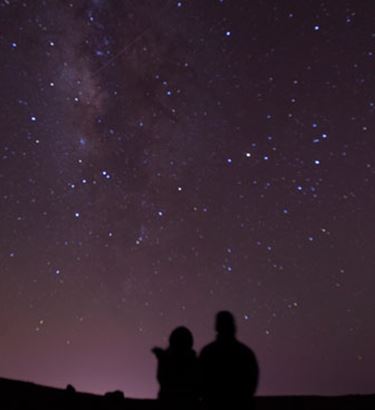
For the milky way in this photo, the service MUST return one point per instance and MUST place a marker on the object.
(161, 160)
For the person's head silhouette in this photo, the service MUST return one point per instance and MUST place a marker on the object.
(181, 339)
(225, 325)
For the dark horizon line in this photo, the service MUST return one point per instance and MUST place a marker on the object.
(276, 396)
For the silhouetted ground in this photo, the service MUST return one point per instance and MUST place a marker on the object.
(29, 396)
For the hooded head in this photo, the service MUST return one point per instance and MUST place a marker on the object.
(181, 339)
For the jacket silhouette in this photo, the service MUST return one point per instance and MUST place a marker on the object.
(228, 369)
(177, 371)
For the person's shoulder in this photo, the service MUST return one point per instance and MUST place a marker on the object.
(208, 349)
(245, 349)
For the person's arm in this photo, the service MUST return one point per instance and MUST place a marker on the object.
(253, 365)
(160, 356)
(158, 352)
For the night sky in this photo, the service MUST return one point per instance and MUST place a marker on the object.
(161, 160)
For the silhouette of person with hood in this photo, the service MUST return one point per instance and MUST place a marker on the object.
(177, 371)
(229, 370)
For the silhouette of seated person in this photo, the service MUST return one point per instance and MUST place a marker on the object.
(177, 371)
(228, 369)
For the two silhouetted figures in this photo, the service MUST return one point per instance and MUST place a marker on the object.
(225, 375)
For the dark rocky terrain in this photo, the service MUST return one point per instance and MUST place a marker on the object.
(23, 395)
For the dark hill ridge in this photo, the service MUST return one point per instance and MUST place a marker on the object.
(16, 395)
